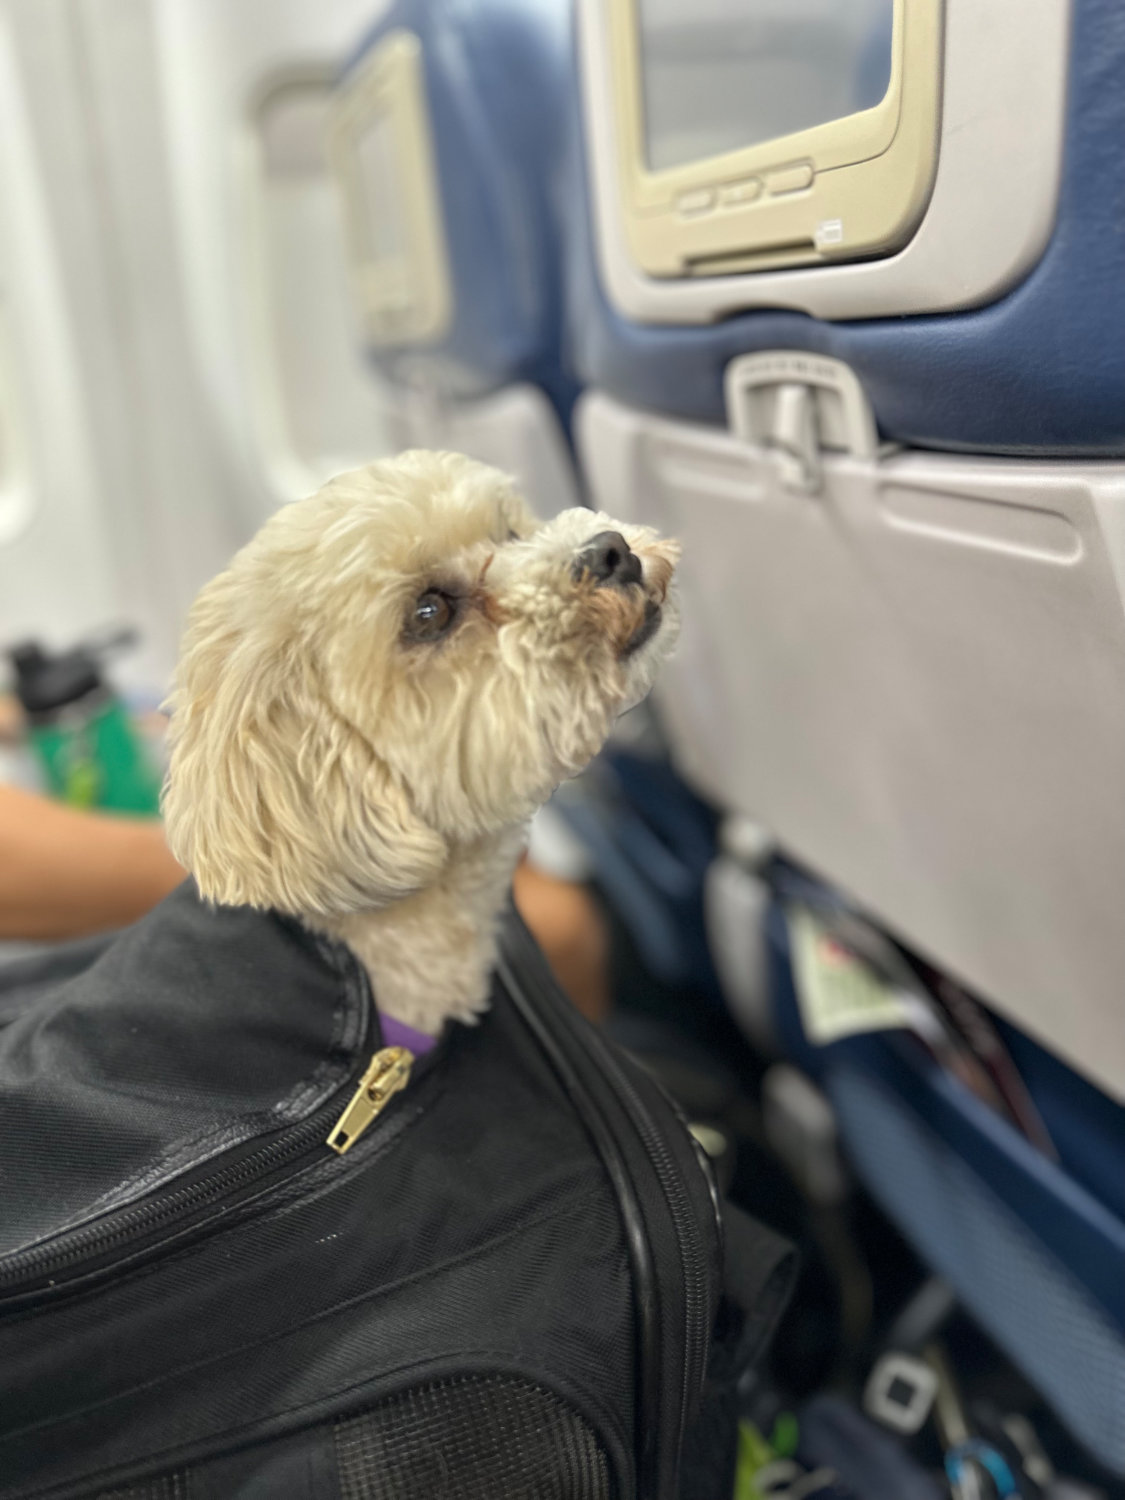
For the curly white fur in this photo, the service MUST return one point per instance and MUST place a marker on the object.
(326, 764)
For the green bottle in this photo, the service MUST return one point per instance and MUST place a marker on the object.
(82, 732)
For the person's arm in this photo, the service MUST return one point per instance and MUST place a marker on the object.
(65, 873)
(566, 923)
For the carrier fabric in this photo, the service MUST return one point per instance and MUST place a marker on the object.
(488, 1437)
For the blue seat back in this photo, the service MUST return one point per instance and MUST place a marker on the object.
(497, 80)
(1041, 371)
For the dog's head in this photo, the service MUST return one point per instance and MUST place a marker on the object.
(399, 665)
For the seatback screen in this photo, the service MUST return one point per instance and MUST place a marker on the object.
(383, 206)
(720, 75)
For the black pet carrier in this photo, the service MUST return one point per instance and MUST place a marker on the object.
(509, 1285)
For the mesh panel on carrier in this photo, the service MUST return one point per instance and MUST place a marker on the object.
(476, 1438)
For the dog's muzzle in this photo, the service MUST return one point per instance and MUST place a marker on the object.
(609, 560)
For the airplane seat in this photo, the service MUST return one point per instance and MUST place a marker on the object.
(445, 130)
(871, 370)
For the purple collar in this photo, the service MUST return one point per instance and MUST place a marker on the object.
(398, 1034)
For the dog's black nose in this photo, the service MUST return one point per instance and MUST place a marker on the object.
(607, 558)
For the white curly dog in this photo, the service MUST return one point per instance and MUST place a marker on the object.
(380, 690)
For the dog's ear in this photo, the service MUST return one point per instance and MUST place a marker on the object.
(272, 799)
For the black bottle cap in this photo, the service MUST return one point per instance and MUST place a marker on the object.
(46, 683)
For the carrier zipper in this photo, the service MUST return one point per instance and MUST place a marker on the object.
(685, 1225)
(387, 1073)
(80, 1251)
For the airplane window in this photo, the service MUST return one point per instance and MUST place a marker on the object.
(719, 75)
(330, 402)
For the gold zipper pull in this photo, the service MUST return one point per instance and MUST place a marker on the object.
(387, 1072)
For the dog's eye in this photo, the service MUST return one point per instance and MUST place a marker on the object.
(513, 536)
(433, 614)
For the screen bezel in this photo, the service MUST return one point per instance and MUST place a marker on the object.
(871, 171)
(405, 297)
